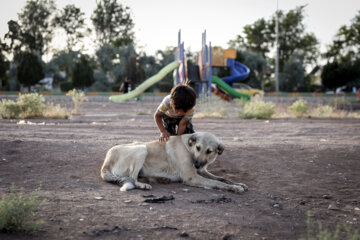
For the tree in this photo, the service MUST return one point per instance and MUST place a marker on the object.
(337, 74)
(343, 57)
(72, 21)
(35, 22)
(30, 70)
(292, 76)
(83, 75)
(63, 61)
(112, 22)
(294, 43)
(257, 38)
(4, 66)
(293, 39)
(19, 40)
(347, 41)
(164, 57)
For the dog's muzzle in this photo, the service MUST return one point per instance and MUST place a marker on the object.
(198, 164)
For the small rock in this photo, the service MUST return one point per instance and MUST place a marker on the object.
(227, 237)
(127, 201)
(185, 190)
(81, 219)
(357, 209)
(333, 206)
(326, 196)
(184, 234)
(99, 198)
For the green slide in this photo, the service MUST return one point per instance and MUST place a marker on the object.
(229, 90)
(145, 85)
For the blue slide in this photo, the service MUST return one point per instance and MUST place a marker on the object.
(239, 72)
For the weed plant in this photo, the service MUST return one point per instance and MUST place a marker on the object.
(257, 109)
(299, 108)
(18, 211)
(78, 97)
(210, 107)
(323, 111)
(30, 105)
(315, 231)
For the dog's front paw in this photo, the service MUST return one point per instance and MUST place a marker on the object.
(238, 188)
(143, 186)
(242, 185)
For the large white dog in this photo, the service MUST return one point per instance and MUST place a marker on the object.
(183, 158)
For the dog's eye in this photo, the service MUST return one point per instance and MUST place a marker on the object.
(198, 148)
(208, 151)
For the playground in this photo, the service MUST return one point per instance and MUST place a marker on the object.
(300, 172)
(291, 166)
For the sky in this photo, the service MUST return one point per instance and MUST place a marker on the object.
(157, 22)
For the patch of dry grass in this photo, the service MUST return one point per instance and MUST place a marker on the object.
(211, 107)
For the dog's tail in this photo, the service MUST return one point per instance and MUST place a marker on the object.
(126, 183)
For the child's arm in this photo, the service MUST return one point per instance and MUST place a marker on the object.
(164, 135)
(182, 126)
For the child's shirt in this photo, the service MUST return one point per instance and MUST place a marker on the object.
(165, 108)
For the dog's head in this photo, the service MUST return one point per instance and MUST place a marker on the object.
(204, 147)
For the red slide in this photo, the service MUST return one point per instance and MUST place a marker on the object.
(220, 94)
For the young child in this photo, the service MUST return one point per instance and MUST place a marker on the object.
(176, 111)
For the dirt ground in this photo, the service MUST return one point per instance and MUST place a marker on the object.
(290, 165)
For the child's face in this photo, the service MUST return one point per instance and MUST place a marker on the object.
(178, 112)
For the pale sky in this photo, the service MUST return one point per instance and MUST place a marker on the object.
(157, 22)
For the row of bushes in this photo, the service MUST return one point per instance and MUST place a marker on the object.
(33, 105)
(265, 110)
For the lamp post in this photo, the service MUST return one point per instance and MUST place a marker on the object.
(277, 48)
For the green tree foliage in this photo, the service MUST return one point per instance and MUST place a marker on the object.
(294, 43)
(63, 61)
(106, 57)
(101, 82)
(72, 21)
(35, 22)
(19, 40)
(30, 70)
(112, 22)
(257, 38)
(293, 39)
(83, 74)
(292, 77)
(347, 41)
(164, 57)
(340, 73)
(343, 57)
(4, 66)
(257, 65)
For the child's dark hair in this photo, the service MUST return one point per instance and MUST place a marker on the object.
(183, 97)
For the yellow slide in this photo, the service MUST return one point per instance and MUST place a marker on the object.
(145, 85)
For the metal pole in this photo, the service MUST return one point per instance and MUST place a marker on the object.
(277, 49)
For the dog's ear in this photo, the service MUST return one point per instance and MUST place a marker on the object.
(220, 149)
(192, 140)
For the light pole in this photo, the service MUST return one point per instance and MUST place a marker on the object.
(277, 48)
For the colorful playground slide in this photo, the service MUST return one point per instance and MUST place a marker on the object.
(239, 72)
(146, 84)
(227, 89)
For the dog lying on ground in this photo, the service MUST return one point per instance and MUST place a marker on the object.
(183, 158)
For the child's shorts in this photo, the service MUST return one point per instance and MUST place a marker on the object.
(171, 125)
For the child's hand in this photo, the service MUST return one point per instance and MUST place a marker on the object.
(164, 136)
